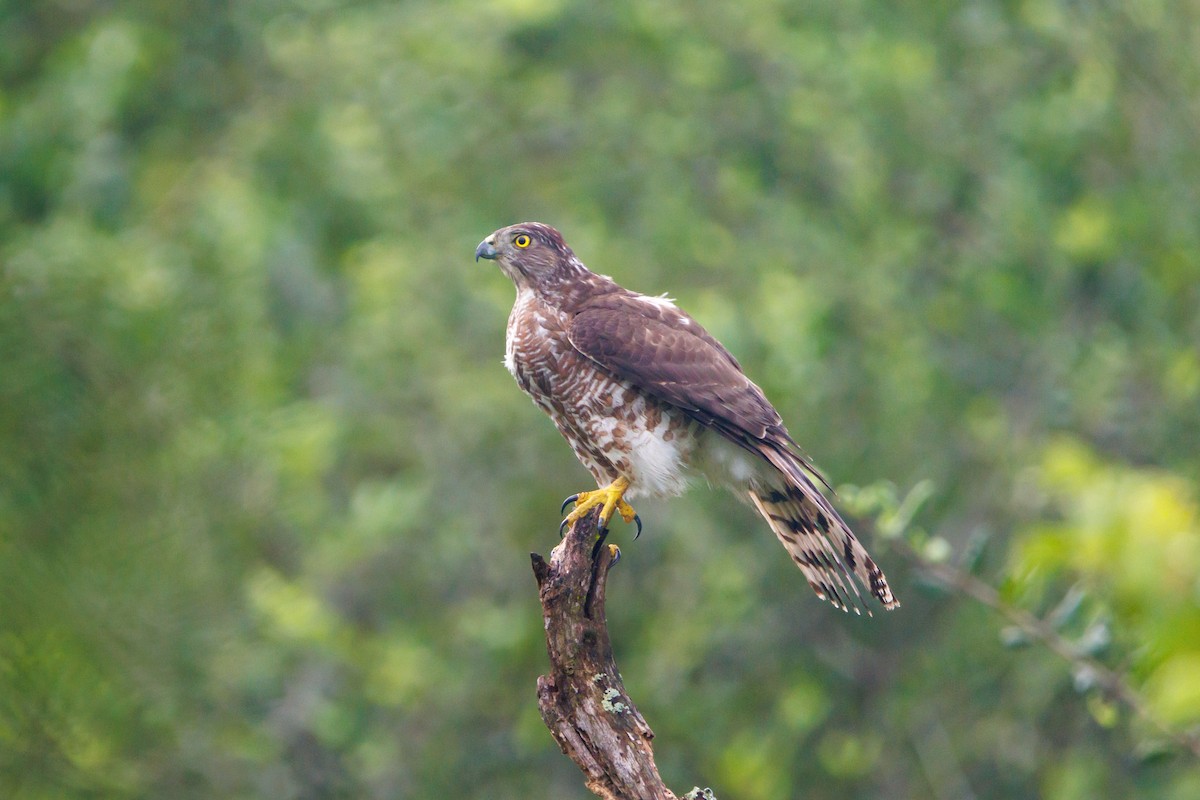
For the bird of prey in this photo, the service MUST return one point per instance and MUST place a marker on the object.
(649, 400)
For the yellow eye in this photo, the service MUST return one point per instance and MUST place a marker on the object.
(521, 241)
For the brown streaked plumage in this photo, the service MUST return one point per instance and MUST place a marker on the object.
(648, 400)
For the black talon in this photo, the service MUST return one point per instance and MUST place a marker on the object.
(568, 502)
(638, 520)
(599, 542)
(562, 529)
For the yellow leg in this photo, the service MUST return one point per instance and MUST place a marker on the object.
(609, 499)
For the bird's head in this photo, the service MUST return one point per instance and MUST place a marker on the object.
(530, 253)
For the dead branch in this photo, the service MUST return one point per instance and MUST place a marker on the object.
(583, 700)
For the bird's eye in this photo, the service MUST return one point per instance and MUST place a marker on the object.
(521, 241)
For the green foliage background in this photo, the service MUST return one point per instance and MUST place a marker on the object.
(267, 494)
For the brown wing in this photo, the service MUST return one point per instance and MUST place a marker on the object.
(666, 353)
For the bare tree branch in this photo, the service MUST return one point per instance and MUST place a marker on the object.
(1115, 684)
(583, 700)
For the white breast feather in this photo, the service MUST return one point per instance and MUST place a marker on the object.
(524, 297)
(658, 466)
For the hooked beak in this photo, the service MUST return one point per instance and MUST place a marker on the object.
(486, 250)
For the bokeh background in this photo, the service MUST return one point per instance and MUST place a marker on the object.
(267, 493)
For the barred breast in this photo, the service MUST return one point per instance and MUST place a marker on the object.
(614, 429)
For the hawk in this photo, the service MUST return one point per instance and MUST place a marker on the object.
(649, 400)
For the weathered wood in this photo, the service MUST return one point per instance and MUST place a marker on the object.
(583, 699)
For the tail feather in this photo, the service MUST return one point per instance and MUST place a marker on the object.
(820, 542)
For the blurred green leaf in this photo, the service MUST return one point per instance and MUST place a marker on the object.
(267, 493)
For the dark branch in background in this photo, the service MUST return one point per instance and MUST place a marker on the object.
(892, 518)
(1115, 684)
(583, 700)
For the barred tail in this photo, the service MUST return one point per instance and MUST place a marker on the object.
(822, 544)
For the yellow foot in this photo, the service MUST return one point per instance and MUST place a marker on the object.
(609, 499)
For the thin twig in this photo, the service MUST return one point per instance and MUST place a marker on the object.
(1114, 683)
